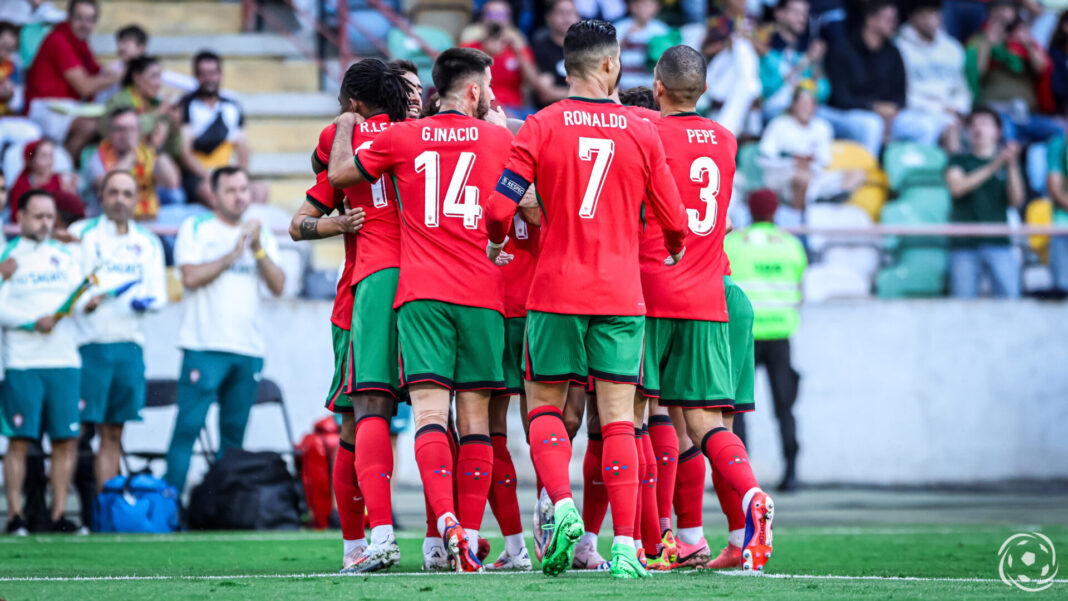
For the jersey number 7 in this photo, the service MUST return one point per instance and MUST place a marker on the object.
(603, 149)
(454, 205)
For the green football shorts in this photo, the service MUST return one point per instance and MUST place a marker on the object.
(572, 348)
(456, 346)
(375, 366)
(113, 382)
(42, 401)
(336, 400)
(743, 363)
(688, 363)
(514, 328)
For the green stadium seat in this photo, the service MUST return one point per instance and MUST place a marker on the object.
(908, 164)
(751, 172)
(403, 47)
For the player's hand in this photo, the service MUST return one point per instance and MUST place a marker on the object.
(674, 259)
(497, 117)
(8, 268)
(351, 221)
(45, 324)
(503, 259)
(252, 229)
(1010, 153)
(94, 303)
(348, 119)
(239, 248)
(140, 305)
(494, 250)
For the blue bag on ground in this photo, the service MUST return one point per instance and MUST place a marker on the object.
(141, 503)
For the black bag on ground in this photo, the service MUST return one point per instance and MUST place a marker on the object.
(246, 491)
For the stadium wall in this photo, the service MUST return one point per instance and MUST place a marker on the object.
(892, 392)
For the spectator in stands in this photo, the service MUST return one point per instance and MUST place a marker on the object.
(513, 62)
(63, 74)
(41, 383)
(732, 47)
(963, 18)
(606, 10)
(125, 149)
(548, 47)
(795, 151)
(791, 59)
(223, 259)
(867, 80)
(1058, 55)
(1005, 69)
(131, 41)
(213, 128)
(131, 282)
(159, 119)
(635, 32)
(13, 129)
(39, 173)
(984, 184)
(1057, 188)
(934, 70)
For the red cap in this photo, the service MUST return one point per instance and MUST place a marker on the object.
(762, 204)
(30, 148)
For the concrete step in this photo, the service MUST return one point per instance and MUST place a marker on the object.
(171, 18)
(328, 254)
(284, 134)
(254, 75)
(274, 165)
(235, 45)
(288, 193)
(321, 105)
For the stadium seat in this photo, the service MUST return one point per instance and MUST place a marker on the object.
(908, 164)
(402, 46)
(752, 175)
(849, 156)
(448, 15)
(829, 280)
(1039, 212)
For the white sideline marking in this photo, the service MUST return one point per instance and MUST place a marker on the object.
(573, 573)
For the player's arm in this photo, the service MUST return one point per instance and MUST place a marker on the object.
(264, 250)
(198, 275)
(529, 209)
(512, 186)
(343, 170)
(310, 223)
(663, 196)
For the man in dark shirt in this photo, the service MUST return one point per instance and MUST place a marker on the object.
(548, 48)
(984, 184)
(867, 79)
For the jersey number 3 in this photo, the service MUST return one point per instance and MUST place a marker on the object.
(461, 200)
(703, 226)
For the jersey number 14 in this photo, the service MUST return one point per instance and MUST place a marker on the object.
(460, 200)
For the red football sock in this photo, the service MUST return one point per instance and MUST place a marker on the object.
(454, 448)
(375, 468)
(638, 499)
(474, 475)
(619, 465)
(729, 501)
(431, 519)
(666, 450)
(502, 498)
(347, 493)
(726, 453)
(435, 468)
(650, 514)
(594, 496)
(551, 450)
(690, 489)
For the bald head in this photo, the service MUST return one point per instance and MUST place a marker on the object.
(681, 73)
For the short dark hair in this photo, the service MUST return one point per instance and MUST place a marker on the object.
(781, 4)
(73, 3)
(585, 45)
(456, 65)
(984, 109)
(133, 32)
(404, 66)
(205, 55)
(9, 27)
(24, 199)
(638, 96)
(682, 70)
(120, 111)
(374, 83)
(221, 172)
(137, 66)
(870, 8)
(113, 173)
(431, 106)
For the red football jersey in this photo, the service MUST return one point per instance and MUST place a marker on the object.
(594, 163)
(327, 199)
(523, 243)
(326, 142)
(700, 155)
(443, 168)
(380, 236)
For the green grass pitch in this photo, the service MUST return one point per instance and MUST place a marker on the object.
(819, 563)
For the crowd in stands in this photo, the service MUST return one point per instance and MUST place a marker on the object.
(803, 77)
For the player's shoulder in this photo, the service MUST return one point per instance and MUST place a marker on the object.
(84, 226)
(196, 224)
(326, 139)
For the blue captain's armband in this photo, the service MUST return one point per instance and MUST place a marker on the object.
(512, 186)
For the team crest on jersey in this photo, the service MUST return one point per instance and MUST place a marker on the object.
(17, 420)
(54, 260)
(194, 376)
(135, 249)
